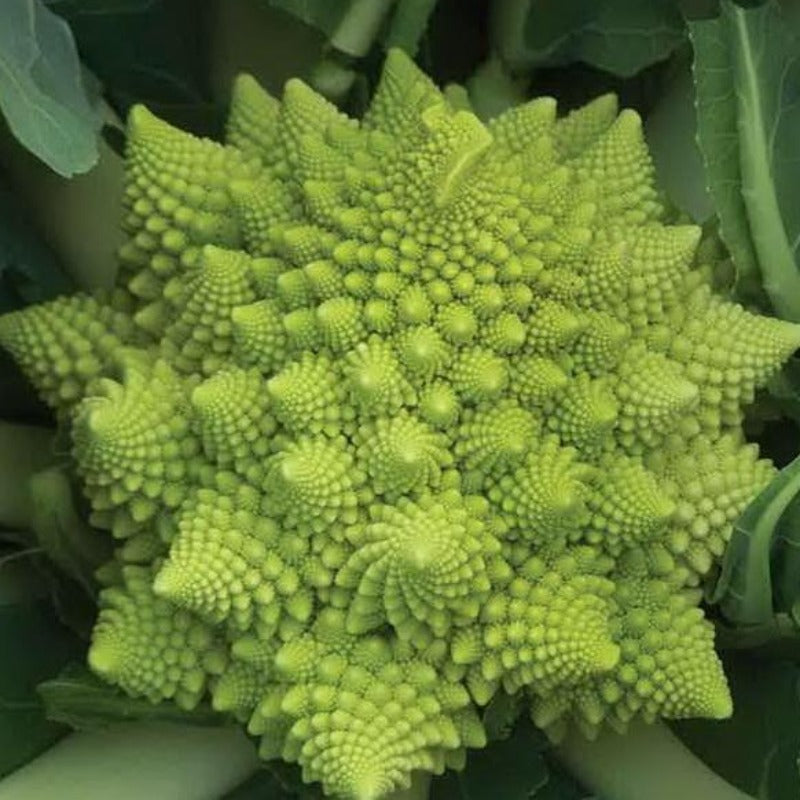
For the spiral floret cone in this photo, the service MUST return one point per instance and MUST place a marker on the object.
(142, 644)
(62, 345)
(133, 443)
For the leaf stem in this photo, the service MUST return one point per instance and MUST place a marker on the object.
(776, 258)
(359, 27)
(649, 761)
(131, 761)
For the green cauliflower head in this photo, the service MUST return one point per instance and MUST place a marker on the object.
(390, 416)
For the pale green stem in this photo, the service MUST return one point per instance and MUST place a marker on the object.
(333, 80)
(155, 761)
(647, 763)
(507, 32)
(492, 90)
(776, 253)
(359, 27)
(354, 36)
(137, 761)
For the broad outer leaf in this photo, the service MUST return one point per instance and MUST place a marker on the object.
(625, 36)
(744, 589)
(619, 36)
(671, 129)
(786, 562)
(747, 73)
(351, 25)
(41, 91)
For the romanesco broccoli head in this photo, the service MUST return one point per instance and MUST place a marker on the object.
(388, 417)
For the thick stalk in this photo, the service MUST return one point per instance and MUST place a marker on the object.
(492, 90)
(24, 450)
(647, 762)
(354, 37)
(137, 761)
(507, 33)
(359, 27)
(157, 761)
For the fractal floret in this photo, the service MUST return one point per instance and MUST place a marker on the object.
(389, 417)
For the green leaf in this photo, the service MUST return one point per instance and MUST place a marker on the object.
(671, 131)
(79, 699)
(34, 646)
(351, 25)
(42, 95)
(747, 75)
(757, 749)
(354, 25)
(762, 552)
(619, 36)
